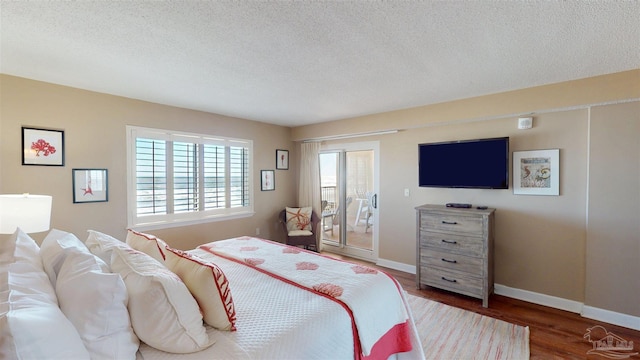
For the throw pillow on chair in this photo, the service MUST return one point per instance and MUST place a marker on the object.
(299, 220)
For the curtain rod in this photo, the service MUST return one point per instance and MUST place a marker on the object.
(349, 136)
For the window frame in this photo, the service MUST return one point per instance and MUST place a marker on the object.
(161, 221)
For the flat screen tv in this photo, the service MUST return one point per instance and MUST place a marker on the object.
(479, 163)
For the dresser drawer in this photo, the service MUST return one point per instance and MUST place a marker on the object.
(451, 280)
(459, 244)
(451, 223)
(466, 264)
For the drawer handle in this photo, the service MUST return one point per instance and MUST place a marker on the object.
(449, 222)
(449, 280)
(450, 261)
(449, 242)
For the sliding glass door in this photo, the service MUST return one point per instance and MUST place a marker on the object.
(349, 198)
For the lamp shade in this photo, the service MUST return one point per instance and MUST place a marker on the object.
(31, 213)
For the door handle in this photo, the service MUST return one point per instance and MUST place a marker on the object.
(374, 199)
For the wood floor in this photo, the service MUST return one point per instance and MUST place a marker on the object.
(553, 334)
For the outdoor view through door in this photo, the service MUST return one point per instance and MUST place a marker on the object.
(348, 201)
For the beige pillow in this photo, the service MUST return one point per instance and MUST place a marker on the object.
(208, 284)
(147, 243)
(163, 313)
(299, 219)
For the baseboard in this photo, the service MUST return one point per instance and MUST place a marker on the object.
(411, 269)
(611, 317)
(540, 299)
(608, 316)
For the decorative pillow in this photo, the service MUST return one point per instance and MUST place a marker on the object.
(102, 245)
(299, 219)
(32, 326)
(148, 244)
(163, 313)
(95, 302)
(55, 247)
(208, 284)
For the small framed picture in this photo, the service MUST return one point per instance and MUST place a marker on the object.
(90, 185)
(282, 159)
(536, 172)
(267, 180)
(43, 147)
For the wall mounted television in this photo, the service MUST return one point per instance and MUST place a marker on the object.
(476, 164)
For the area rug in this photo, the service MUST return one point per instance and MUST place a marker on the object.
(447, 332)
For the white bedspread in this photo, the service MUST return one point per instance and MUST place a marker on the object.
(276, 320)
(370, 297)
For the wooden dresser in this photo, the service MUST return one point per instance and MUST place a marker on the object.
(455, 250)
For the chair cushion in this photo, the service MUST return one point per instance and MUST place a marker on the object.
(300, 233)
(299, 218)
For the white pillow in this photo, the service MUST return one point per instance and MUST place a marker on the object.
(7, 249)
(32, 326)
(298, 218)
(25, 272)
(54, 250)
(163, 313)
(95, 302)
(22, 248)
(148, 244)
(208, 284)
(102, 245)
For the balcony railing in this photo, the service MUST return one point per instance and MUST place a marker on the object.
(329, 198)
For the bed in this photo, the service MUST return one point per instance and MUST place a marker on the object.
(241, 298)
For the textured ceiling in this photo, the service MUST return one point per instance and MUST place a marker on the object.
(295, 63)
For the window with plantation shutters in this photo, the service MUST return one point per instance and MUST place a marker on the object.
(176, 179)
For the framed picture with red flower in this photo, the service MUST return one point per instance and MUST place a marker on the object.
(43, 147)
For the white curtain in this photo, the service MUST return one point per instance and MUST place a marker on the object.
(309, 184)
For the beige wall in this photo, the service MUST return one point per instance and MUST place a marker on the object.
(539, 239)
(543, 243)
(613, 231)
(595, 90)
(94, 130)
(565, 246)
